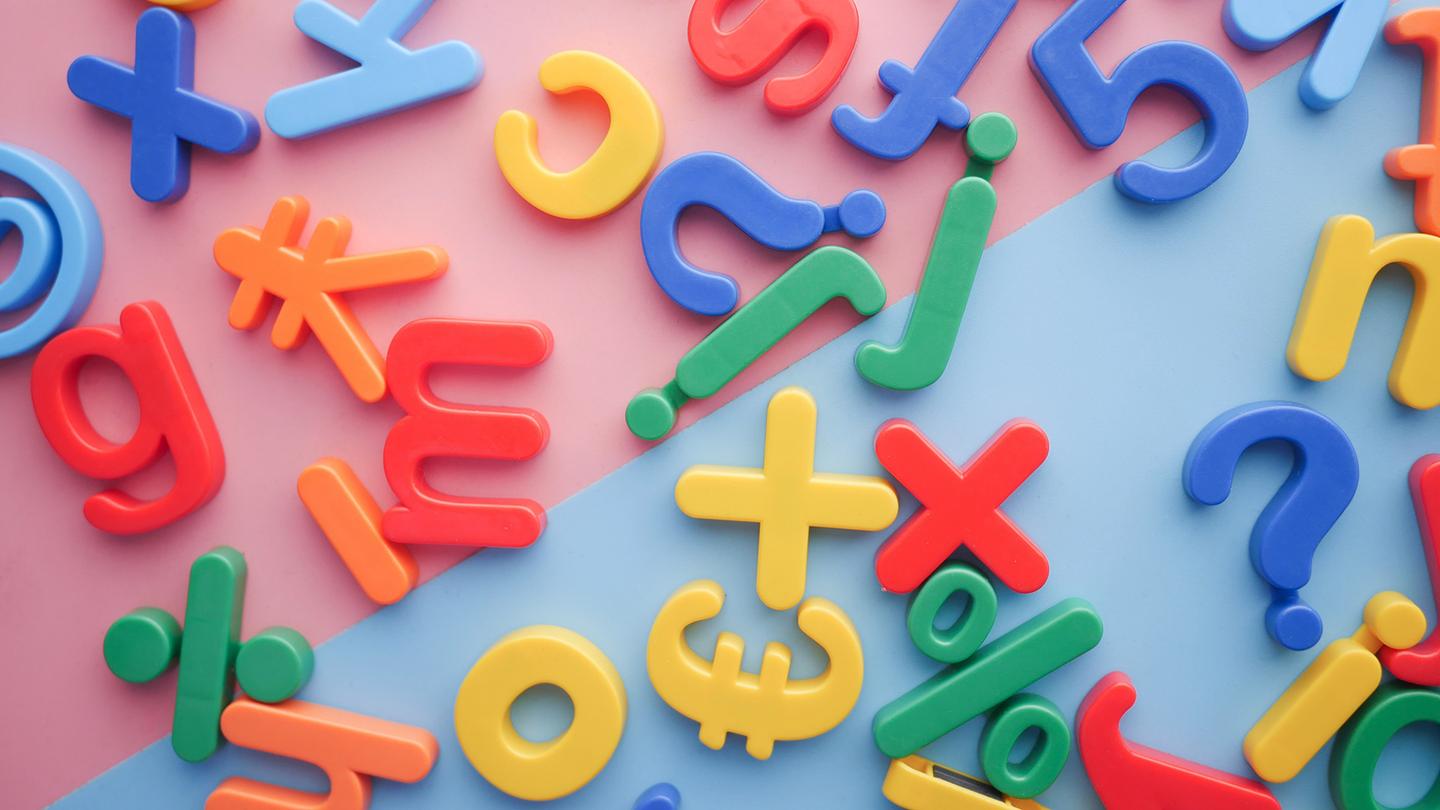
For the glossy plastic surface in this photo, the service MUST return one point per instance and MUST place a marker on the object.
(786, 498)
(388, 77)
(166, 114)
(960, 507)
(742, 54)
(1420, 162)
(310, 282)
(174, 418)
(1134, 777)
(924, 96)
(350, 519)
(617, 169)
(1096, 106)
(434, 427)
(1359, 745)
(1421, 663)
(1038, 769)
(663, 796)
(765, 707)
(1353, 26)
(1289, 530)
(916, 783)
(776, 221)
(1347, 260)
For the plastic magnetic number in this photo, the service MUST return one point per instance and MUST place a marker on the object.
(1097, 107)
(774, 220)
(61, 247)
(1360, 744)
(767, 33)
(1041, 767)
(1259, 25)
(924, 96)
(173, 416)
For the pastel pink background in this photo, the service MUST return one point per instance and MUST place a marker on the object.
(428, 176)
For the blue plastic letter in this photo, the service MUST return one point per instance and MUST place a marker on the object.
(61, 248)
(166, 114)
(1320, 487)
(925, 96)
(725, 184)
(1259, 25)
(390, 77)
(1096, 107)
(663, 796)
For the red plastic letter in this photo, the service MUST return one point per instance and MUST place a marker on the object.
(434, 427)
(1132, 777)
(173, 415)
(961, 507)
(754, 46)
(1421, 664)
(349, 747)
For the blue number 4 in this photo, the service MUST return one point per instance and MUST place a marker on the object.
(1259, 25)
(1097, 107)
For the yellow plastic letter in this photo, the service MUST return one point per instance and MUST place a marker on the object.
(765, 707)
(1331, 689)
(526, 658)
(617, 169)
(1347, 259)
(786, 498)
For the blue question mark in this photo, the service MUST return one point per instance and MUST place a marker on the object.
(1320, 487)
(725, 184)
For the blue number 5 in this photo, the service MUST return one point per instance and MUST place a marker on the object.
(1096, 107)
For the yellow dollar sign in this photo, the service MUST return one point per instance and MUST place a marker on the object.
(765, 707)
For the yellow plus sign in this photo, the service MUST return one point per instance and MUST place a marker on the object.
(786, 498)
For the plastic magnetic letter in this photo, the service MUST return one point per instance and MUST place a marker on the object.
(185, 5)
(61, 248)
(924, 96)
(823, 274)
(1289, 530)
(271, 667)
(1420, 664)
(389, 77)
(525, 658)
(1347, 260)
(1139, 778)
(1420, 162)
(961, 692)
(916, 783)
(763, 707)
(173, 418)
(350, 748)
(1259, 25)
(435, 427)
(786, 498)
(924, 350)
(774, 220)
(166, 114)
(310, 281)
(1359, 745)
(1096, 107)
(350, 519)
(616, 170)
(1331, 689)
(767, 33)
(960, 507)
(663, 796)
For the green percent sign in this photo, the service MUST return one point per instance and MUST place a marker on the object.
(990, 678)
(923, 352)
(823, 274)
(271, 667)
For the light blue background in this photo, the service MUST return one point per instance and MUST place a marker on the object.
(1121, 329)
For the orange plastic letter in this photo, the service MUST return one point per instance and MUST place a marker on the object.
(350, 519)
(269, 262)
(1421, 162)
(349, 747)
(173, 416)
(434, 427)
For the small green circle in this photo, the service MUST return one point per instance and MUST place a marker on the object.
(1361, 742)
(274, 665)
(1042, 766)
(140, 645)
(961, 639)
(650, 415)
(991, 137)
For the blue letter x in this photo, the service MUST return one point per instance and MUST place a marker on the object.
(166, 114)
